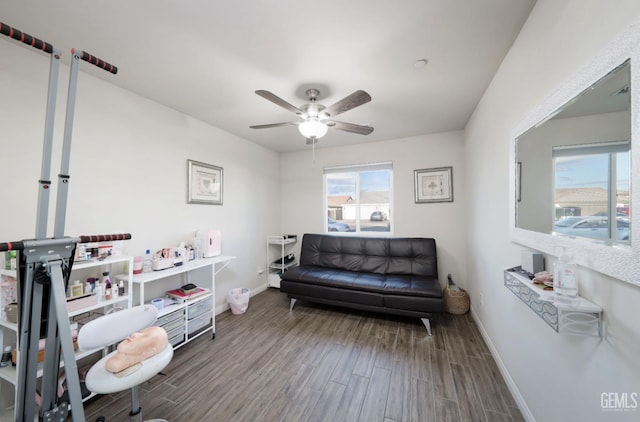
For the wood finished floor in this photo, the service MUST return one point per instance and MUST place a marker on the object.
(321, 363)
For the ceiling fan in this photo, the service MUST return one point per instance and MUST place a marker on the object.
(316, 118)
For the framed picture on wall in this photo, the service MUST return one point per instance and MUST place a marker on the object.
(204, 183)
(433, 185)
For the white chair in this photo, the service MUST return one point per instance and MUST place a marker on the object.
(111, 329)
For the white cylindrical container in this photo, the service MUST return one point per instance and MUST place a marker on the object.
(565, 276)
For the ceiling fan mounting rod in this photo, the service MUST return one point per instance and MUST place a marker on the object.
(312, 94)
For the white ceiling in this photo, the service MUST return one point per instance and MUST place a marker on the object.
(206, 58)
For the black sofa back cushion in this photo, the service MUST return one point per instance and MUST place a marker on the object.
(380, 255)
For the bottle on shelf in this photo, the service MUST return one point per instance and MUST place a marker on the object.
(106, 283)
(114, 290)
(565, 277)
(99, 291)
(147, 263)
(137, 265)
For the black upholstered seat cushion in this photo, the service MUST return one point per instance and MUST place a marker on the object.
(374, 255)
(392, 284)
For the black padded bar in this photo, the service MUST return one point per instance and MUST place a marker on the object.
(12, 246)
(25, 38)
(96, 61)
(104, 237)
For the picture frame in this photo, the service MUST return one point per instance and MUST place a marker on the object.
(204, 183)
(433, 185)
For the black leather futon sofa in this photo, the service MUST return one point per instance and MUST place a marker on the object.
(391, 275)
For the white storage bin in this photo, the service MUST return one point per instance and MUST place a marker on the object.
(198, 323)
(166, 319)
(196, 309)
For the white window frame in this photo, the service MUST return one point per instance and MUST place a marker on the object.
(359, 168)
(611, 149)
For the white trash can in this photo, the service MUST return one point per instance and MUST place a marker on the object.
(239, 300)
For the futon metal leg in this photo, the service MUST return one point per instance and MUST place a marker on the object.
(427, 324)
(293, 302)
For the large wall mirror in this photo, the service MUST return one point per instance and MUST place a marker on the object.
(573, 175)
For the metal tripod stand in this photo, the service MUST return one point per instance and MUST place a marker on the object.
(45, 265)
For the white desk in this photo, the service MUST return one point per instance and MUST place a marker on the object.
(217, 264)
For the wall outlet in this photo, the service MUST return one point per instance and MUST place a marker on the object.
(481, 299)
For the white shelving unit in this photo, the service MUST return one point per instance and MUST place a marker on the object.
(279, 247)
(191, 318)
(9, 330)
(577, 316)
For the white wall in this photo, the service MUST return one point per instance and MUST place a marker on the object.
(128, 169)
(301, 192)
(560, 378)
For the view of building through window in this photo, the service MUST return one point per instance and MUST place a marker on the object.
(591, 186)
(358, 198)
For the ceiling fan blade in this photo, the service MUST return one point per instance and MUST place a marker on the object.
(347, 103)
(350, 127)
(273, 125)
(278, 101)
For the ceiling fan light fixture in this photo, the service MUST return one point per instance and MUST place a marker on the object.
(312, 128)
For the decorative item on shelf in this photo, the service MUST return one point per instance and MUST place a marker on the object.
(456, 299)
(11, 310)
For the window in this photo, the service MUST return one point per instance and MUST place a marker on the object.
(591, 184)
(358, 198)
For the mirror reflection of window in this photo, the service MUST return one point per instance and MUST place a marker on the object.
(591, 184)
(574, 164)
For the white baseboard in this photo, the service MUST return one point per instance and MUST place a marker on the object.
(225, 306)
(522, 405)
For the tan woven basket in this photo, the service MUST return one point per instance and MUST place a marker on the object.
(456, 303)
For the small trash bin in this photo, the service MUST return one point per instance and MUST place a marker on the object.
(239, 300)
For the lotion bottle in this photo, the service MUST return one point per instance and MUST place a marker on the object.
(565, 277)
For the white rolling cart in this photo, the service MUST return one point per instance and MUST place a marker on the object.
(278, 248)
(189, 319)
